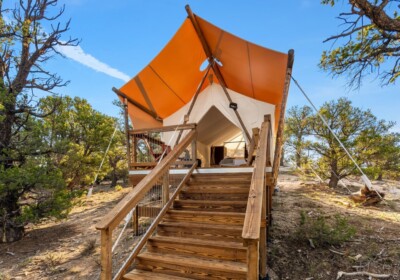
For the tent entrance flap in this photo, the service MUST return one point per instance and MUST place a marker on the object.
(213, 130)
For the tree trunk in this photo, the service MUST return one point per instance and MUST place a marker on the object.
(334, 179)
(10, 229)
(113, 178)
(298, 159)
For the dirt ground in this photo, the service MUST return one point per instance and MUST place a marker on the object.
(69, 249)
(375, 248)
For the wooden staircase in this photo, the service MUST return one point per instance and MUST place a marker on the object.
(200, 237)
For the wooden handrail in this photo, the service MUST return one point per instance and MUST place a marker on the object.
(254, 227)
(252, 221)
(119, 212)
(154, 224)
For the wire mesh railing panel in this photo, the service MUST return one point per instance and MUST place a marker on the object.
(148, 148)
(126, 229)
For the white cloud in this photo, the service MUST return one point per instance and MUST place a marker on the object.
(76, 53)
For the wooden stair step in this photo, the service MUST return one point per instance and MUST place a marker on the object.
(216, 189)
(211, 205)
(138, 274)
(230, 183)
(195, 268)
(208, 217)
(221, 176)
(242, 195)
(215, 232)
(211, 249)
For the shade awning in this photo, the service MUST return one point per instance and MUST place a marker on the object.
(170, 80)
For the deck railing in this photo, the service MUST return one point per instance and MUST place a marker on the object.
(258, 207)
(146, 203)
(149, 146)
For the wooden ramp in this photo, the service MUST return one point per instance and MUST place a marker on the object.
(200, 237)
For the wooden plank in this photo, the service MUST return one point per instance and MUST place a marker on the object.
(206, 217)
(279, 134)
(153, 226)
(195, 268)
(119, 212)
(252, 223)
(138, 274)
(164, 128)
(192, 247)
(106, 254)
(216, 232)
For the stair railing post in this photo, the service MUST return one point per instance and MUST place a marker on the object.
(106, 254)
(165, 188)
(252, 259)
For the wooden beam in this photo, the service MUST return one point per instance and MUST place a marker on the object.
(144, 93)
(193, 102)
(137, 105)
(214, 66)
(164, 128)
(279, 134)
(128, 146)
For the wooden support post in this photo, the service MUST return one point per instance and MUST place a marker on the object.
(253, 145)
(279, 134)
(263, 237)
(135, 221)
(214, 66)
(165, 188)
(252, 259)
(270, 191)
(106, 254)
(194, 150)
(267, 118)
(128, 145)
(134, 148)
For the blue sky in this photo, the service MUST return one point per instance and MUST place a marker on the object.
(120, 37)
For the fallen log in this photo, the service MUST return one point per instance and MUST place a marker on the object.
(367, 197)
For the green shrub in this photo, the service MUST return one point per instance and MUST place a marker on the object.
(323, 232)
(118, 188)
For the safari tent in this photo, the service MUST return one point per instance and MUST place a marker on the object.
(205, 88)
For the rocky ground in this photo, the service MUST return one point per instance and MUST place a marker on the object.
(69, 249)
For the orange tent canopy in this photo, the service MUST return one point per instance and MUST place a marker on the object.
(172, 77)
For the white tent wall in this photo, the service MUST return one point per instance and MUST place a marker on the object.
(217, 122)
